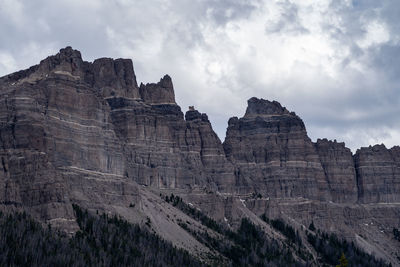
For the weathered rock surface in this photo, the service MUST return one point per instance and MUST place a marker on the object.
(56, 127)
(165, 151)
(73, 131)
(115, 78)
(91, 125)
(273, 154)
(158, 93)
(338, 164)
(378, 174)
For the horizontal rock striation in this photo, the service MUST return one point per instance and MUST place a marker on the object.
(339, 168)
(82, 132)
(273, 153)
(94, 117)
(95, 133)
(165, 151)
(55, 126)
(378, 174)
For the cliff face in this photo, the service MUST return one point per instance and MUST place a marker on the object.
(74, 131)
(56, 130)
(165, 151)
(158, 93)
(338, 164)
(84, 116)
(82, 132)
(378, 174)
(273, 153)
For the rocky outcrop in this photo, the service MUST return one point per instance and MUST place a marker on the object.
(82, 132)
(378, 174)
(158, 93)
(141, 134)
(90, 126)
(165, 151)
(58, 141)
(273, 153)
(260, 107)
(200, 137)
(338, 164)
(67, 61)
(115, 78)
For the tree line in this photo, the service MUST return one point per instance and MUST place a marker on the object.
(100, 241)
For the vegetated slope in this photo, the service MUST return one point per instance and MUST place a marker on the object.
(100, 241)
(250, 246)
(246, 246)
(328, 247)
(112, 241)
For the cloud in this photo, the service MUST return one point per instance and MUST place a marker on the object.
(7, 62)
(285, 18)
(334, 62)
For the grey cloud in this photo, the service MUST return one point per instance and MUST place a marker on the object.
(173, 37)
(390, 14)
(386, 58)
(288, 21)
(224, 11)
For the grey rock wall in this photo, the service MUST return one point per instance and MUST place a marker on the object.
(339, 168)
(158, 93)
(273, 154)
(73, 131)
(378, 174)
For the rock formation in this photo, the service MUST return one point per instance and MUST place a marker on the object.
(158, 93)
(338, 164)
(56, 126)
(82, 132)
(378, 174)
(91, 119)
(273, 153)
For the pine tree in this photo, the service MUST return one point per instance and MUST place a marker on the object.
(343, 261)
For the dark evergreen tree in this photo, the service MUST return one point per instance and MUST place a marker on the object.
(101, 241)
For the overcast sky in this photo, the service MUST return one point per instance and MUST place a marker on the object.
(336, 63)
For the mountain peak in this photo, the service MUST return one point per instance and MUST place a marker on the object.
(259, 106)
(67, 59)
(158, 93)
(69, 53)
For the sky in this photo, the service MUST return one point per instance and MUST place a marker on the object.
(336, 63)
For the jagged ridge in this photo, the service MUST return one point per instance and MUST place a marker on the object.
(79, 132)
